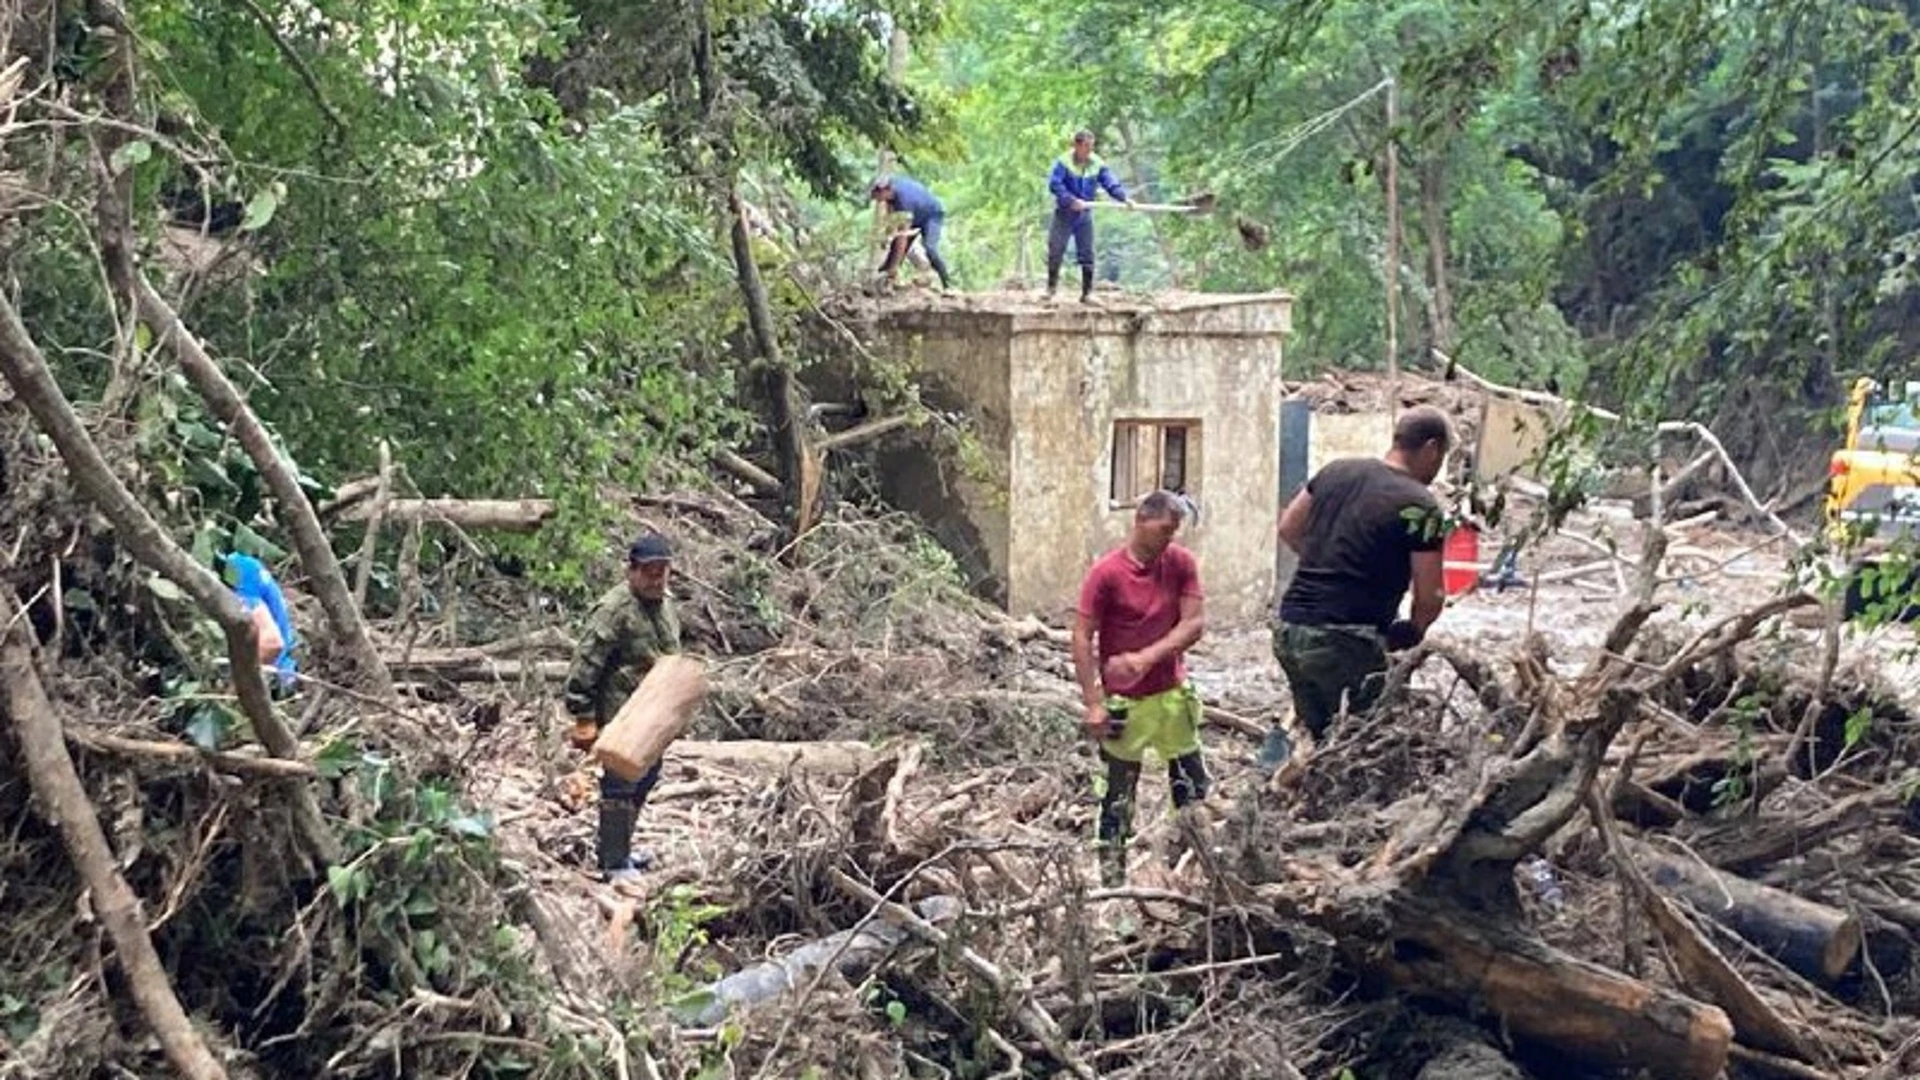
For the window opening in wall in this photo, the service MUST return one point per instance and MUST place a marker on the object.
(1149, 454)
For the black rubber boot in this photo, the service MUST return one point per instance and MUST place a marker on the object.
(1115, 824)
(1086, 284)
(1053, 281)
(1187, 779)
(617, 818)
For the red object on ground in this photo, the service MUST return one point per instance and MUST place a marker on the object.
(1460, 560)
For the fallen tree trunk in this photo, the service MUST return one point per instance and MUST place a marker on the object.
(1543, 994)
(853, 953)
(473, 665)
(1813, 939)
(501, 515)
(819, 759)
(1698, 966)
(57, 787)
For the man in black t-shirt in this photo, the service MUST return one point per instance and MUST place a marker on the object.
(1364, 528)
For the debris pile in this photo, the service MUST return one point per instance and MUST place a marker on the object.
(928, 896)
(1664, 828)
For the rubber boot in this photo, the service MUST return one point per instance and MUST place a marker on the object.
(617, 818)
(1114, 827)
(1187, 779)
(1053, 281)
(1086, 284)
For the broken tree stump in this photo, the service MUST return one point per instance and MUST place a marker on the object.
(658, 711)
(1818, 941)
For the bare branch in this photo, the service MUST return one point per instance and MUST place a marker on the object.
(309, 542)
(369, 545)
(25, 369)
(300, 67)
(56, 785)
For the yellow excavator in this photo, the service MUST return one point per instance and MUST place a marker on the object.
(1873, 489)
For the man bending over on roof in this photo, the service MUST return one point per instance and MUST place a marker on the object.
(903, 195)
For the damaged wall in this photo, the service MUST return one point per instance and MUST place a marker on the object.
(959, 494)
(1046, 386)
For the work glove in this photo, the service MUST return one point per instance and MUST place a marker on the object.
(585, 730)
(1402, 634)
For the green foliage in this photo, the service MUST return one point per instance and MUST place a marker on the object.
(1745, 714)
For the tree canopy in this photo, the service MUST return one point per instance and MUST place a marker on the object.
(495, 233)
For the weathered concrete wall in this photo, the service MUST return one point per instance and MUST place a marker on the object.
(1328, 435)
(1511, 434)
(1338, 435)
(1074, 373)
(961, 362)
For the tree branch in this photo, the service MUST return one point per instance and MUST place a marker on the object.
(56, 785)
(178, 753)
(370, 544)
(872, 429)
(300, 68)
(309, 542)
(25, 369)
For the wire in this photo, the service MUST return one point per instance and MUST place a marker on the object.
(1293, 138)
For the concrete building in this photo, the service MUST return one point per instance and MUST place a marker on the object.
(1074, 412)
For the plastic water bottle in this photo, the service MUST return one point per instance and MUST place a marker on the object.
(1545, 885)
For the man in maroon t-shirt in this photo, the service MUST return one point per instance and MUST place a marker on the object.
(1143, 605)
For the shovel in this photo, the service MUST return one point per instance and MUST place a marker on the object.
(1198, 204)
(1253, 235)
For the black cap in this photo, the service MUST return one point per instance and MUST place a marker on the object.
(651, 547)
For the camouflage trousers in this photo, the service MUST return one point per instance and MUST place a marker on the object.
(1325, 665)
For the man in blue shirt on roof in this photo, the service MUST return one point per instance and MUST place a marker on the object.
(903, 195)
(1076, 182)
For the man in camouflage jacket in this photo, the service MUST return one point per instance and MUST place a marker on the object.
(631, 627)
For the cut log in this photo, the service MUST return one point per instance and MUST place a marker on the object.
(1813, 939)
(1542, 994)
(657, 712)
(1698, 966)
(503, 515)
(852, 952)
(819, 759)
